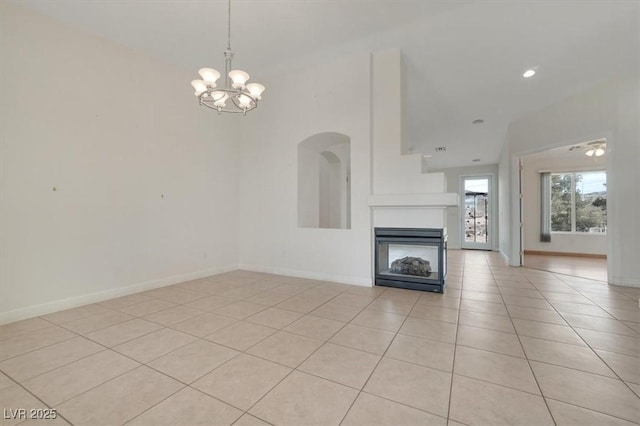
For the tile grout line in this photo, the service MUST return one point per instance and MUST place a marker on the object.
(597, 355)
(288, 374)
(248, 354)
(379, 361)
(105, 348)
(558, 273)
(41, 347)
(16, 383)
(570, 326)
(60, 366)
(561, 314)
(310, 355)
(531, 368)
(189, 385)
(102, 383)
(561, 366)
(591, 409)
(455, 351)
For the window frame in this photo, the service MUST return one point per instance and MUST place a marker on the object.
(573, 202)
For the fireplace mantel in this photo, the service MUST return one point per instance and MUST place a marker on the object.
(444, 199)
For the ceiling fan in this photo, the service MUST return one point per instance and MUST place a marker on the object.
(595, 148)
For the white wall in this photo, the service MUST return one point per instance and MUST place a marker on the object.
(454, 221)
(393, 172)
(270, 239)
(610, 111)
(587, 243)
(394, 175)
(145, 179)
(504, 207)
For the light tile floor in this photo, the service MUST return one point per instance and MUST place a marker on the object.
(502, 346)
(584, 267)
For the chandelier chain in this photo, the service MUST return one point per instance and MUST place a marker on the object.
(229, 26)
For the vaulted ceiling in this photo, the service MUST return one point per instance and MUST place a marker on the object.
(464, 59)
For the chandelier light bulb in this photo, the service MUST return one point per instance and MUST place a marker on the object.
(199, 86)
(217, 95)
(209, 75)
(599, 152)
(590, 152)
(239, 78)
(256, 90)
(220, 100)
(245, 101)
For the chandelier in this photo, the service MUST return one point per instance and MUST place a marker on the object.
(236, 96)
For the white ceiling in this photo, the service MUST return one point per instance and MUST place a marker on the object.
(464, 59)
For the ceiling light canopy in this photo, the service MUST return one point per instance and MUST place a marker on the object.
(235, 96)
(529, 73)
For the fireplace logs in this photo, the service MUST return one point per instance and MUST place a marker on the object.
(411, 266)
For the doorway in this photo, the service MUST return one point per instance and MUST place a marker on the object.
(563, 210)
(476, 211)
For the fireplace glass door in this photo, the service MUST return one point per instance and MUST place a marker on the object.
(408, 260)
(413, 258)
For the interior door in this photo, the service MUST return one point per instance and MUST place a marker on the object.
(475, 211)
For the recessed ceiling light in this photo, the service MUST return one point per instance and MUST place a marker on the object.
(476, 160)
(427, 156)
(529, 73)
(478, 121)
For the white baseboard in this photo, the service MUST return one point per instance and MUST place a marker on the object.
(344, 279)
(626, 281)
(100, 296)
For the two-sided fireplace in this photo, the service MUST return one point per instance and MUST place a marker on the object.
(413, 258)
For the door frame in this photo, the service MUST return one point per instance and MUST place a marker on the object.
(514, 240)
(492, 219)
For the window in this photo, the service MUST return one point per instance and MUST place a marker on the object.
(579, 202)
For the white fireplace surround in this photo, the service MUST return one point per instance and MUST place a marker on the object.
(443, 200)
(411, 210)
(402, 196)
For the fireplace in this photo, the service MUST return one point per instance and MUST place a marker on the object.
(413, 258)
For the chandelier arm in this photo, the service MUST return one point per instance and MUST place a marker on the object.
(248, 95)
(233, 93)
(227, 109)
(235, 102)
(231, 111)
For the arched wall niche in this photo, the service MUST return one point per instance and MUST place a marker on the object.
(324, 181)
